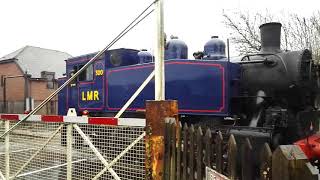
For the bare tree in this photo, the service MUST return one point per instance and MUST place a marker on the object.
(297, 32)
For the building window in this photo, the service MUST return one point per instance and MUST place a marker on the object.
(50, 83)
(49, 76)
(71, 73)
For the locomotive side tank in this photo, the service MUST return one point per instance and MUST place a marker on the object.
(201, 87)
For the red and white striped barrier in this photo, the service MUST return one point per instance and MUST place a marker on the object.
(78, 119)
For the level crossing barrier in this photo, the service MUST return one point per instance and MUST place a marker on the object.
(72, 147)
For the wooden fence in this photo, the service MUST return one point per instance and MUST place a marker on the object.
(189, 150)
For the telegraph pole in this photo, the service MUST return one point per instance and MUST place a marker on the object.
(159, 109)
(159, 58)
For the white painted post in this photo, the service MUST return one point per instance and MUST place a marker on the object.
(7, 150)
(159, 58)
(69, 151)
(2, 176)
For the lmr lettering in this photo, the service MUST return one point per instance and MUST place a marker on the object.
(90, 96)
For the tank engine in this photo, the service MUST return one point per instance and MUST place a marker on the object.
(270, 95)
(278, 88)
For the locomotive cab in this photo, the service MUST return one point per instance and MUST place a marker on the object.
(86, 92)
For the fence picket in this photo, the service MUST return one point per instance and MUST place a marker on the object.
(173, 151)
(208, 151)
(179, 127)
(246, 160)
(191, 154)
(232, 158)
(185, 151)
(266, 162)
(199, 156)
(219, 152)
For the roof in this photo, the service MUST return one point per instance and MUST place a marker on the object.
(34, 60)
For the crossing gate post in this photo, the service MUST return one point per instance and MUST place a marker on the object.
(69, 151)
(156, 112)
(7, 150)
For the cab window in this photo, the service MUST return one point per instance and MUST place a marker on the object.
(87, 74)
(72, 72)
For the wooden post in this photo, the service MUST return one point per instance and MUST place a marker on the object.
(219, 152)
(200, 167)
(173, 151)
(232, 158)
(156, 112)
(208, 149)
(288, 162)
(185, 152)
(310, 172)
(191, 154)
(266, 162)
(179, 151)
(246, 160)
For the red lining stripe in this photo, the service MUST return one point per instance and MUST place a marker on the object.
(107, 121)
(219, 66)
(51, 118)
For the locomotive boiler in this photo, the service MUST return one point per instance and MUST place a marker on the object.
(279, 89)
(270, 95)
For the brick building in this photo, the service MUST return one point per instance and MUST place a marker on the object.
(28, 76)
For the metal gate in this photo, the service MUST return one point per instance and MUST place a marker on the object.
(64, 147)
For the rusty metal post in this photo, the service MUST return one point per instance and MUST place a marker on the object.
(156, 112)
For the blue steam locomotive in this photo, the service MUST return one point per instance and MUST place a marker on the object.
(201, 87)
(272, 93)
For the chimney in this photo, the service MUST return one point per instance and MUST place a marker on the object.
(270, 37)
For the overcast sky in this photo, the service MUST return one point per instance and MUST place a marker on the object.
(82, 26)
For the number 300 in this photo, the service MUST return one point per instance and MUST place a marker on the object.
(99, 72)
